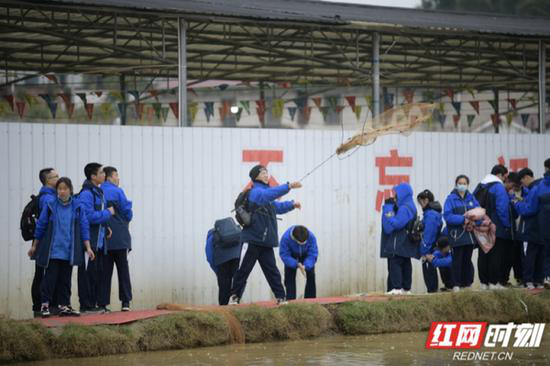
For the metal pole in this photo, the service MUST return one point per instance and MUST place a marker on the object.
(542, 86)
(123, 91)
(182, 72)
(375, 75)
(497, 112)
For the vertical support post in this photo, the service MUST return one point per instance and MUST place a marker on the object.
(124, 92)
(497, 111)
(375, 75)
(542, 86)
(182, 72)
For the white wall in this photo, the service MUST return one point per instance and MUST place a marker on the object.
(182, 179)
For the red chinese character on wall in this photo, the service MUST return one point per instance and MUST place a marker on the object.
(383, 162)
(263, 157)
(515, 164)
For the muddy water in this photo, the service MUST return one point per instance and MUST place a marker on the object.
(383, 349)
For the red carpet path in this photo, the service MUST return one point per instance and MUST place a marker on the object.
(131, 316)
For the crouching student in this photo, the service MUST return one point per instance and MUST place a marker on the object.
(299, 251)
(433, 221)
(61, 236)
(442, 259)
(224, 261)
(395, 244)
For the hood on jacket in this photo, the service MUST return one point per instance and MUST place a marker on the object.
(404, 197)
(435, 205)
(47, 190)
(490, 178)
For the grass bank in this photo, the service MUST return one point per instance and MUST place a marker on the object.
(29, 341)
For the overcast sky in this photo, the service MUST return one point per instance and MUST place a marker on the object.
(396, 3)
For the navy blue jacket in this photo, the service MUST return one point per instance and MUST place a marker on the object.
(263, 228)
(217, 254)
(47, 194)
(45, 232)
(453, 213)
(500, 210)
(394, 240)
(291, 251)
(120, 221)
(538, 203)
(528, 229)
(433, 222)
(441, 260)
(93, 202)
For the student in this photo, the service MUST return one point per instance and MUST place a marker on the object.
(433, 222)
(261, 236)
(48, 177)
(120, 242)
(462, 241)
(512, 255)
(62, 234)
(535, 209)
(299, 251)
(93, 203)
(397, 212)
(491, 265)
(224, 261)
(442, 257)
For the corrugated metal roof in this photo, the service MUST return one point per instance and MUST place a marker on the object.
(326, 12)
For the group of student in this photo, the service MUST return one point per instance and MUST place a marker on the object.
(233, 261)
(517, 208)
(94, 222)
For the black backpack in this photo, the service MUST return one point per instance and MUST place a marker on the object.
(415, 229)
(482, 195)
(242, 212)
(226, 232)
(30, 215)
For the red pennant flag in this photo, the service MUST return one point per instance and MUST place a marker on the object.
(317, 101)
(10, 100)
(52, 78)
(99, 94)
(351, 102)
(450, 93)
(175, 108)
(150, 113)
(66, 98)
(513, 102)
(475, 105)
(224, 110)
(260, 109)
(307, 113)
(70, 110)
(496, 119)
(20, 108)
(139, 110)
(456, 119)
(408, 94)
(154, 93)
(90, 110)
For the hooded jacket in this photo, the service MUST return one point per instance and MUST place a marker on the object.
(94, 205)
(433, 222)
(291, 251)
(455, 208)
(500, 210)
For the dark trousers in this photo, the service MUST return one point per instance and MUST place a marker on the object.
(533, 263)
(90, 281)
(225, 274)
(399, 273)
(446, 274)
(547, 260)
(490, 265)
(512, 254)
(35, 288)
(266, 257)
(290, 283)
(57, 277)
(120, 259)
(462, 268)
(429, 272)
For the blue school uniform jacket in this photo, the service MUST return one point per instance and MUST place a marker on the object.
(528, 228)
(500, 210)
(120, 221)
(394, 240)
(291, 251)
(217, 254)
(433, 222)
(262, 230)
(93, 202)
(455, 208)
(538, 203)
(45, 232)
(441, 260)
(47, 194)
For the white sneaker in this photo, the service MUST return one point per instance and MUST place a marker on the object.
(539, 287)
(234, 300)
(483, 287)
(407, 292)
(395, 291)
(456, 289)
(498, 286)
(530, 286)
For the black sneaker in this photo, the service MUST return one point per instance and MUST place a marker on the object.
(45, 311)
(282, 301)
(55, 310)
(67, 310)
(125, 306)
(234, 300)
(104, 310)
